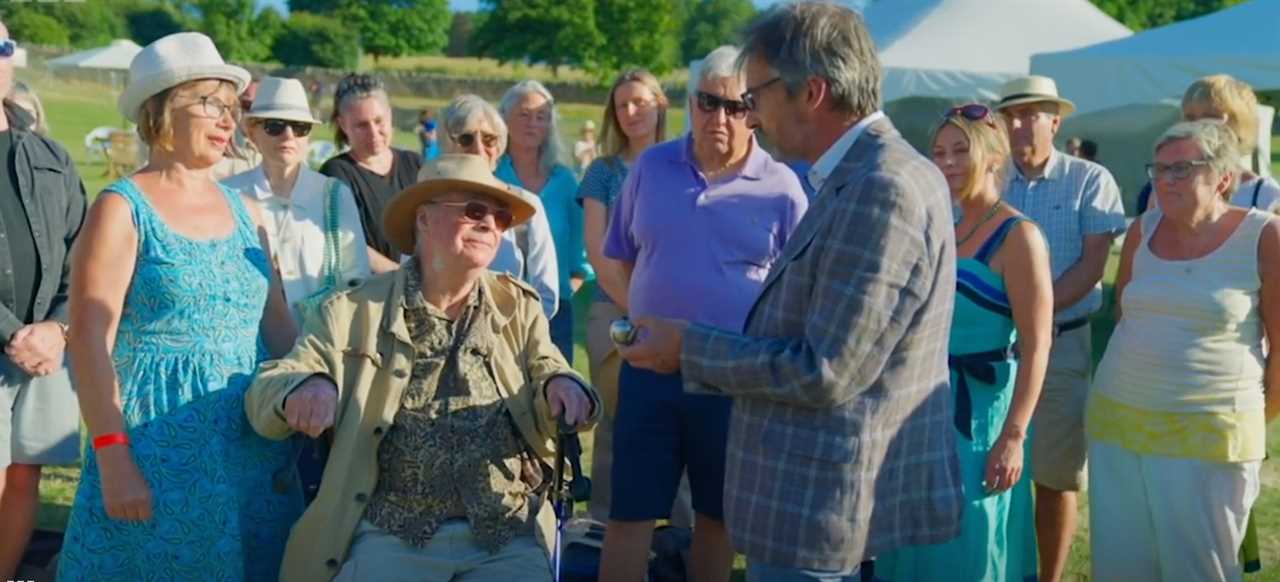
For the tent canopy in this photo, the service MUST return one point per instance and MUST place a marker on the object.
(115, 56)
(1160, 63)
(965, 49)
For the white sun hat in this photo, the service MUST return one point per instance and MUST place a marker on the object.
(279, 98)
(172, 61)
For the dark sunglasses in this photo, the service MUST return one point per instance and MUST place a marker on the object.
(708, 103)
(468, 139)
(7, 48)
(476, 211)
(749, 96)
(972, 112)
(275, 127)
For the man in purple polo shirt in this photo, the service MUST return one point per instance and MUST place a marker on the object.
(698, 223)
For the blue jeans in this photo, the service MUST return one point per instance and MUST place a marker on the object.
(562, 330)
(758, 572)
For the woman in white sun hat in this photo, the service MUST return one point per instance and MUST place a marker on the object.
(173, 304)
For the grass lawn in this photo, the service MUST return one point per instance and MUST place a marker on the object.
(74, 109)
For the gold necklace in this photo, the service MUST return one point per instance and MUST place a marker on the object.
(981, 222)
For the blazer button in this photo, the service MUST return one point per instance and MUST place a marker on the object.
(332, 563)
(400, 374)
(361, 498)
(377, 431)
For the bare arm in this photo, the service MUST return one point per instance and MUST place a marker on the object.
(1125, 273)
(277, 326)
(1024, 263)
(379, 263)
(1080, 279)
(610, 274)
(1269, 268)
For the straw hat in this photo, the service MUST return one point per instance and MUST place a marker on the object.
(448, 173)
(279, 98)
(1033, 89)
(172, 61)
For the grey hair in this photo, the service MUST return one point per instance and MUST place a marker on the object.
(1217, 142)
(355, 87)
(551, 152)
(722, 63)
(819, 39)
(465, 109)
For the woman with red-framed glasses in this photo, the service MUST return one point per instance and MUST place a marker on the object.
(1004, 297)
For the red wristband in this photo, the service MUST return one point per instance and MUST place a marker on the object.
(106, 440)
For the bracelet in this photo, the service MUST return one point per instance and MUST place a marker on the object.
(109, 439)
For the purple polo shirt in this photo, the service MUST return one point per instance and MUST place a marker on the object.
(701, 249)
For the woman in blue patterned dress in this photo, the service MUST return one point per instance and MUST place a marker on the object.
(172, 306)
(1004, 293)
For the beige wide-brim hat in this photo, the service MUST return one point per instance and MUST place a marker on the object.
(279, 98)
(446, 174)
(172, 61)
(1033, 89)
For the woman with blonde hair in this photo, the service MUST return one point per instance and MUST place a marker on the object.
(1004, 298)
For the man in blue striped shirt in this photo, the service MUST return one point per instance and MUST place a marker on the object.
(1077, 205)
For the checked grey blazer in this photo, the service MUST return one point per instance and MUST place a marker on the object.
(841, 444)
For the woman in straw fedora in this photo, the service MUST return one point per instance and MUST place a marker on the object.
(173, 304)
(442, 388)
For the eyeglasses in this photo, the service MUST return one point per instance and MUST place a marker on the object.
(476, 211)
(214, 108)
(7, 48)
(749, 96)
(276, 127)
(468, 139)
(708, 103)
(1175, 171)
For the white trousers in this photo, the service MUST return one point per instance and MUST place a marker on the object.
(1166, 519)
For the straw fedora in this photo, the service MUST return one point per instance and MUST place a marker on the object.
(284, 99)
(172, 61)
(1033, 89)
(448, 173)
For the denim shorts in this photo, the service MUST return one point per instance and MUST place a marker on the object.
(659, 433)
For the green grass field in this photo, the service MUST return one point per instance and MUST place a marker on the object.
(74, 109)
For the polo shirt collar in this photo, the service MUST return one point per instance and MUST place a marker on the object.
(1054, 169)
(307, 191)
(755, 168)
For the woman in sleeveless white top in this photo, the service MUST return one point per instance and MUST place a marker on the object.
(1177, 418)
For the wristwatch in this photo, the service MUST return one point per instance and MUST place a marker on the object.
(64, 328)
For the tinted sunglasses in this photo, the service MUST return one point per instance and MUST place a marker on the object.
(972, 112)
(468, 139)
(275, 127)
(476, 211)
(7, 48)
(709, 103)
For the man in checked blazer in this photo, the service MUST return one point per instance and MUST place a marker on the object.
(840, 445)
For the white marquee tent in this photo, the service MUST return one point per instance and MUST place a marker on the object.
(1160, 63)
(115, 57)
(965, 49)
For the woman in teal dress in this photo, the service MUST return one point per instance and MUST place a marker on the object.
(1000, 337)
(173, 304)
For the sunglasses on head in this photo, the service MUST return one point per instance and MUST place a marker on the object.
(275, 127)
(468, 139)
(476, 211)
(7, 48)
(708, 103)
(972, 112)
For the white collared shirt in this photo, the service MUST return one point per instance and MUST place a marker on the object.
(827, 163)
(295, 230)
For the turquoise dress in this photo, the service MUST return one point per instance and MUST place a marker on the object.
(223, 498)
(997, 539)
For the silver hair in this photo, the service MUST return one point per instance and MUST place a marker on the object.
(464, 110)
(721, 63)
(551, 152)
(352, 88)
(1217, 143)
(819, 39)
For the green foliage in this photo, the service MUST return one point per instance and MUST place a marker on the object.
(643, 33)
(232, 26)
(555, 32)
(461, 31)
(711, 23)
(150, 23)
(1144, 14)
(315, 40)
(403, 27)
(36, 28)
(87, 24)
